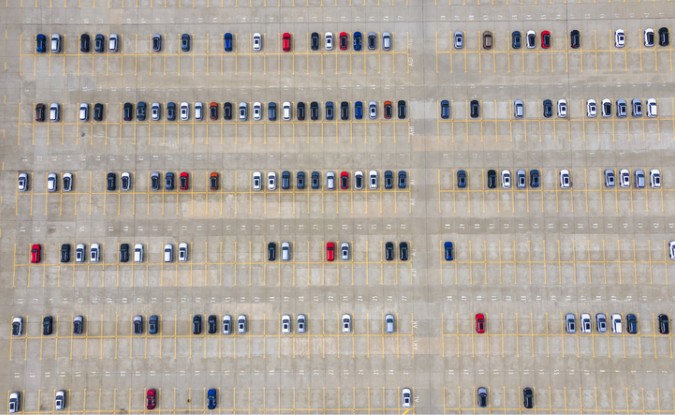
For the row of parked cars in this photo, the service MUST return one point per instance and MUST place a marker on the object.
(638, 178)
(48, 325)
(616, 323)
(345, 251)
(85, 43)
(344, 181)
(95, 253)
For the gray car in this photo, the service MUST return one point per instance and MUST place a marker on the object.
(459, 40)
(570, 323)
(639, 178)
(518, 108)
(609, 178)
(621, 108)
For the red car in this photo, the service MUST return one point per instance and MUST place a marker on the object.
(151, 398)
(480, 323)
(387, 109)
(545, 39)
(344, 181)
(184, 180)
(344, 41)
(35, 251)
(213, 111)
(330, 251)
(286, 42)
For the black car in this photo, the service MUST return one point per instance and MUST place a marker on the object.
(516, 40)
(197, 324)
(315, 39)
(185, 42)
(664, 327)
(98, 111)
(227, 111)
(40, 110)
(402, 109)
(344, 110)
(402, 179)
(372, 41)
(300, 113)
(65, 253)
(548, 108)
(126, 182)
(124, 252)
(17, 327)
(153, 324)
(445, 109)
(575, 39)
(528, 398)
(330, 109)
(67, 183)
(214, 179)
(403, 253)
(389, 251)
(285, 179)
(213, 324)
(482, 397)
(387, 110)
(157, 42)
(475, 109)
(491, 179)
(631, 323)
(314, 110)
(213, 112)
(300, 180)
(99, 43)
(78, 325)
(461, 179)
(85, 43)
(272, 111)
(155, 181)
(664, 37)
(169, 181)
(138, 325)
(388, 179)
(316, 180)
(534, 178)
(47, 325)
(272, 251)
(128, 111)
(111, 181)
(141, 108)
(171, 111)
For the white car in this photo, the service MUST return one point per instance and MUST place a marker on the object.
(506, 179)
(227, 324)
(655, 178)
(372, 182)
(586, 323)
(257, 181)
(459, 40)
(242, 324)
(649, 37)
(344, 251)
(671, 250)
(565, 181)
(591, 108)
(54, 112)
(286, 113)
(156, 111)
(138, 253)
(56, 43)
(372, 110)
(285, 324)
(386, 41)
(346, 323)
(389, 324)
(329, 41)
(60, 400)
(67, 182)
(285, 251)
(358, 180)
(126, 181)
(606, 105)
(330, 180)
(271, 181)
(616, 324)
(301, 325)
(562, 108)
(113, 43)
(184, 111)
(14, 403)
(52, 182)
(199, 111)
(619, 38)
(23, 182)
(652, 111)
(257, 42)
(243, 111)
(95, 253)
(168, 253)
(406, 397)
(257, 111)
(531, 39)
(17, 325)
(183, 252)
(79, 253)
(624, 178)
(84, 111)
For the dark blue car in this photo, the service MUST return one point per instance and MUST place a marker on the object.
(330, 110)
(41, 43)
(212, 398)
(358, 110)
(358, 41)
(228, 42)
(449, 252)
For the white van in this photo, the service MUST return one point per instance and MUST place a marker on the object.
(138, 253)
(168, 253)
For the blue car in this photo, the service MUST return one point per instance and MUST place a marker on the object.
(330, 110)
(212, 398)
(228, 42)
(358, 110)
(41, 43)
(358, 41)
(449, 251)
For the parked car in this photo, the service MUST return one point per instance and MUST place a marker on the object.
(461, 179)
(664, 37)
(474, 109)
(185, 42)
(655, 178)
(631, 323)
(445, 109)
(151, 399)
(286, 42)
(330, 251)
(448, 251)
(480, 323)
(545, 39)
(156, 42)
(575, 39)
(531, 39)
(113, 43)
(257, 42)
(406, 398)
(35, 253)
(570, 323)
(17, 326)
(616, 324)
(487, 40)
(23, 182)
(387, 41)
(78, 325)
(565, 181)
(619, 38)
(228, 42)
(459, 40)
(585, 320)
(664, 325)
(482, 397)
(528, 398)
(60, 400)
(516, 39)
(212, 398)
(346, 323)
(601, 323)
(40, 43)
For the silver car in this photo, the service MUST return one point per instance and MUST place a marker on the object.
(601, 323)
(459, 40)
(518, 108)
(570, 323)
(609, 178)
(372, 110)
(521, 179)
(389, 324)
(330, 180)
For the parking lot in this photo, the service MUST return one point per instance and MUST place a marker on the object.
(523, 257)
